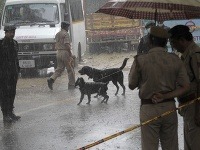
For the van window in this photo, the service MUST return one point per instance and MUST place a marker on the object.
(31, 13)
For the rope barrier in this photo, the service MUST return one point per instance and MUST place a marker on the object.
(137, 126)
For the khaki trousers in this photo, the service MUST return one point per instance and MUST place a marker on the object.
(191, 131)
(64, 61)
(163, 130)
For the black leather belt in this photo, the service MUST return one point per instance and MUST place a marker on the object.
(149, 101)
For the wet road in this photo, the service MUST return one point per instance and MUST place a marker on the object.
(52, 120)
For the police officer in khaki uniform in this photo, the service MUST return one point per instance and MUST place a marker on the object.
(182, 40)
(158, 71)
(9, 69)
(64, 57)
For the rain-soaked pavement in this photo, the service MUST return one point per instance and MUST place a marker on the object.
(52, 120)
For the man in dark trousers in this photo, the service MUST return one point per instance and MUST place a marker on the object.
(9, 69)
(154, 73)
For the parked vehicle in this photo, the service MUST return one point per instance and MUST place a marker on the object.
(37, 23)
(111, 33)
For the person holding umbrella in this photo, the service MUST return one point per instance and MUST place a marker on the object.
(155, 72)
(182, 40)
(144, 46)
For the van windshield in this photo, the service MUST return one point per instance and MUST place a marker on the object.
(22, 14)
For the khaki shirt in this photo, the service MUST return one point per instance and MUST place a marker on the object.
(189, 58)
(62, 39)
(157, 71)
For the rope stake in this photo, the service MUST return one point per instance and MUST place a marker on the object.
(137, 126)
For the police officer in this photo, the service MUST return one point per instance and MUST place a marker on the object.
(9, 69)
(144, 46)
(182, 40)
(153, 73)
(64, 57)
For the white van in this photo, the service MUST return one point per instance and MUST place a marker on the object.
(37, 23)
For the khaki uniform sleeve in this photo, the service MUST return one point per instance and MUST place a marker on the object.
(66, 38)
(67, 42)
(195, 66)
(182, 77)
(56, 38)
(133, 77)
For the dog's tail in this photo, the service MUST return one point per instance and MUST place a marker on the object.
(124, 63)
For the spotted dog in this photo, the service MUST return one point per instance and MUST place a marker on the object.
(113, 74)
(88, 88)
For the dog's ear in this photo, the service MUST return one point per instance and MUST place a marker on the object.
(84, 68)
(82, 80)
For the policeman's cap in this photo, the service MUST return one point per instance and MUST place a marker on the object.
(9, 28)
(149, 24)
(159, 32)
(65, 24)
(179, 30)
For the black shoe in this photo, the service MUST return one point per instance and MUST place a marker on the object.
(7, 119)
(50, 83)
(14, 117)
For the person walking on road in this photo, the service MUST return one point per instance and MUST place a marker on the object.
(144, 45)
(182, 40)
(64, 57)
(9, 69)
(153, 72)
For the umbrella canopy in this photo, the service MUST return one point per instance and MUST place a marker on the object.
(159, 10)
